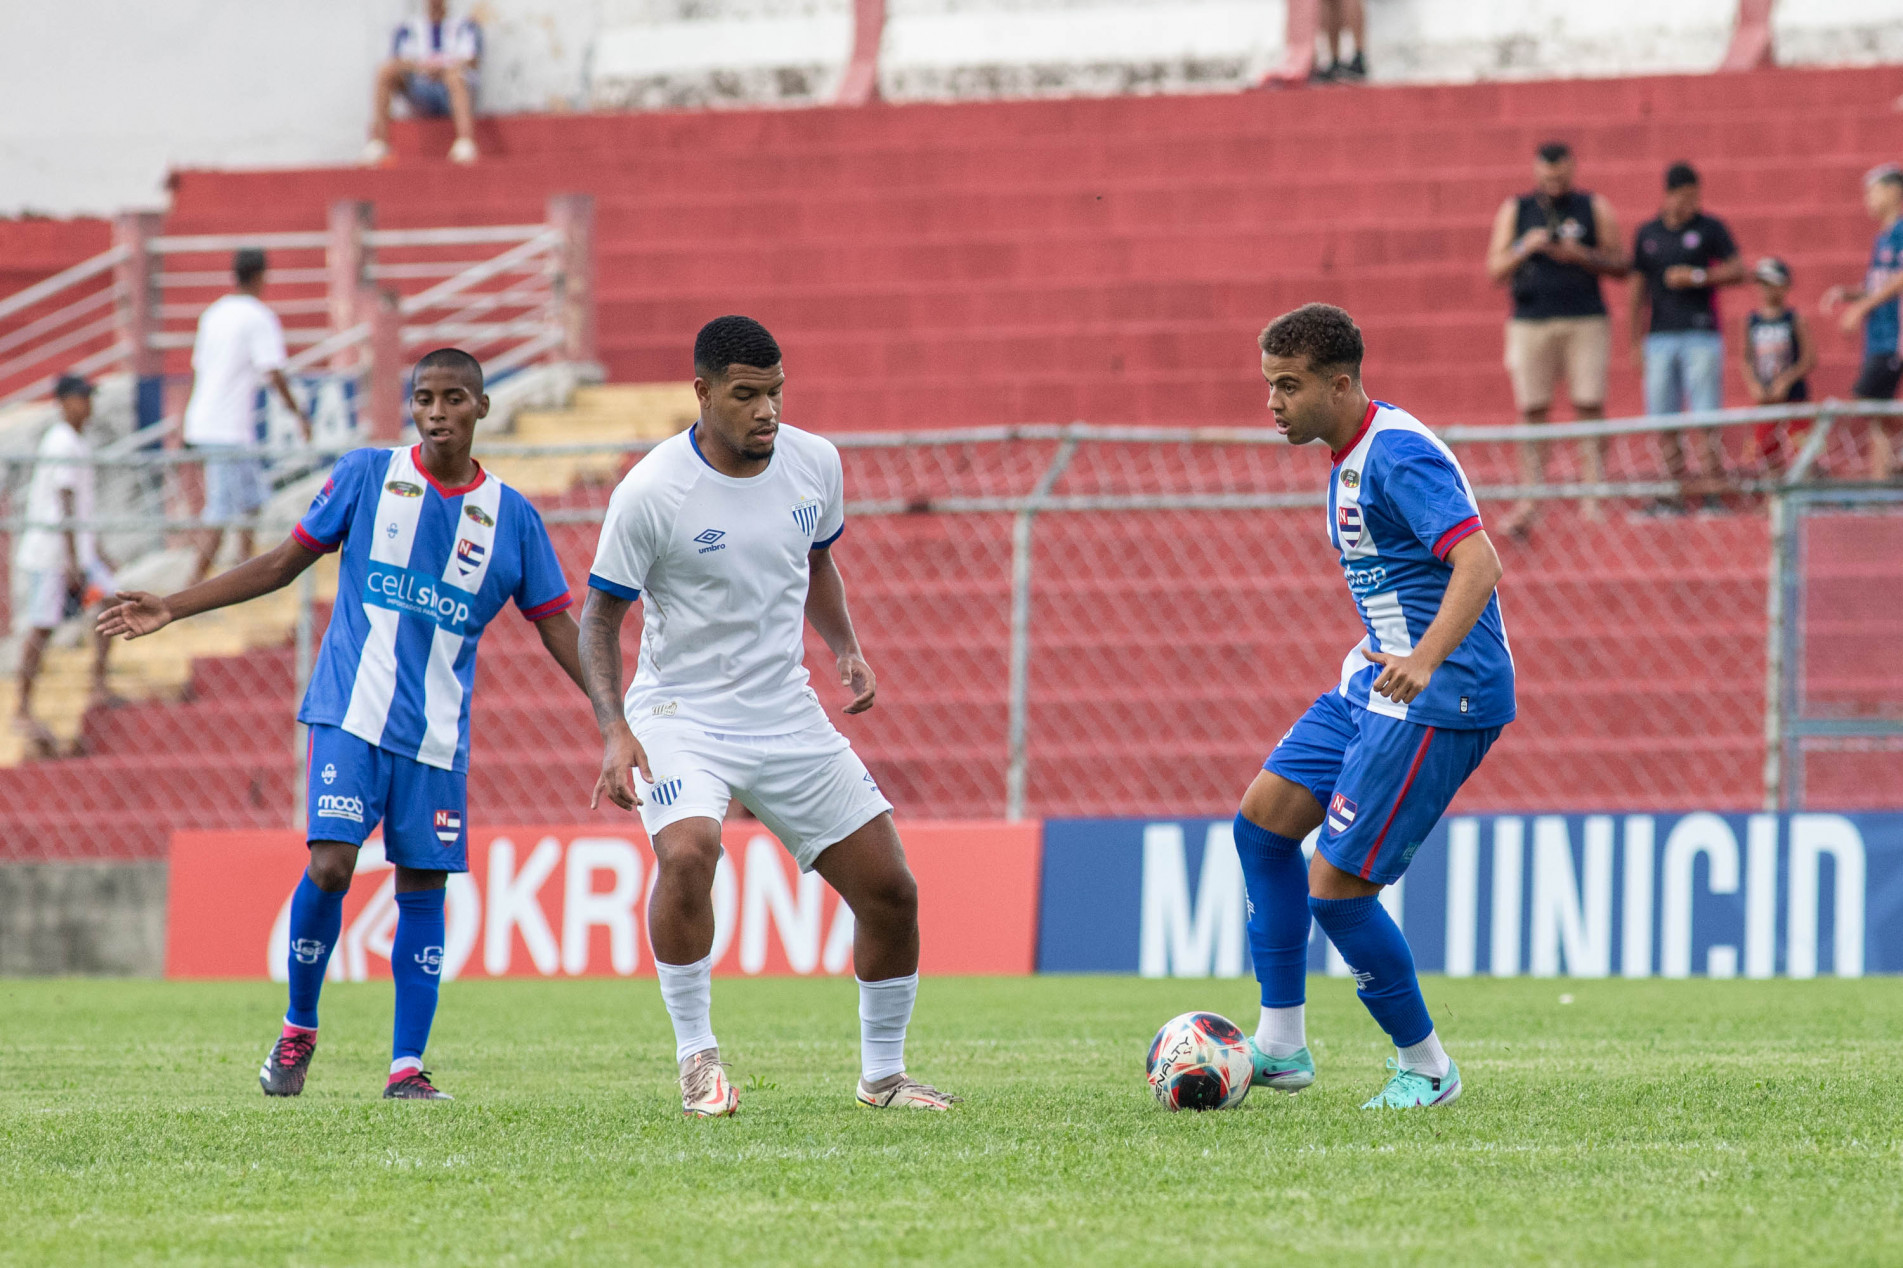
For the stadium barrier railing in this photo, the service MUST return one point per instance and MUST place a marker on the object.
(1089, 620)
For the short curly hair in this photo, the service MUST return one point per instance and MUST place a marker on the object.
(729, 341)
(1323, 335)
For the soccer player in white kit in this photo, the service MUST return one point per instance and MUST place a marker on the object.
(724, 532)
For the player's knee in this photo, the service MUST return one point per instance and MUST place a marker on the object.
(688, 861)
(332, 865)
(891, 900)
(391, 72)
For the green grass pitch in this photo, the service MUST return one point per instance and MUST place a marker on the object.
(1660, 1122)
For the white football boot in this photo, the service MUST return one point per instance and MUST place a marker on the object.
(902, 1091)
(706, 1091)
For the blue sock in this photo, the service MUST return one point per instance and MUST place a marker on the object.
(416, 962)
(1277, 881)
(1371, 942)
(317, 916)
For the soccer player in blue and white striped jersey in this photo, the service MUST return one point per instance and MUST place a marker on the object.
(433, 547)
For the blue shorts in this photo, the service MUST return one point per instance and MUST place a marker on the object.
(234, 484)
(1383, 782)
(352, 785)
(426, 96)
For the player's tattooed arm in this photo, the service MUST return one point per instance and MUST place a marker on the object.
(826, 611)
(138, 612)
(600, 655)
(1476, 572)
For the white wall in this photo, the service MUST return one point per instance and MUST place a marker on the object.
(100, 98)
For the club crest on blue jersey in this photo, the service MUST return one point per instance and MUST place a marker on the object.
(806, 515)
(449, 826)
(1341, 813)
(469, 556)
(1349, 524)
(665, 792)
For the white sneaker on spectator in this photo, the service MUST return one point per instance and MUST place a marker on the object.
(464, 151)
(375, 152)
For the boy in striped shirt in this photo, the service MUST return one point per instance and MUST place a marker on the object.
(432, 548)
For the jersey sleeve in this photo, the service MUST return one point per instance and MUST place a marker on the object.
(543, 590)
(1721, 246)
(832, 517)
(1424, 490)
(327, 523)
(630, 541)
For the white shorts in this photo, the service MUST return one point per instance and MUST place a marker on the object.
(45, 601)
(809, 788)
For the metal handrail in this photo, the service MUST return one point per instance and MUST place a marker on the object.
(204, 243)
(1083, 433)
(73, 339)
(61, 280)
(54, 320)
(455, 235)
(433, 297)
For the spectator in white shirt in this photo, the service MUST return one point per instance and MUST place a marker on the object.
(239, 348)
(434, 64)
(60, 571)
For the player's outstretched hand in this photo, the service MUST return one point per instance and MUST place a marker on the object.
(135, 613)
(856, 676)
(1401, 679)
(622, 754)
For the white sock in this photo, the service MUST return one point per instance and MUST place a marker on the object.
(885, 1008)
(688, 992)
(1427, 1057)
(1281, 1033)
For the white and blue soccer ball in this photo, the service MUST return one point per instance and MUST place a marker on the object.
(1200, 1061)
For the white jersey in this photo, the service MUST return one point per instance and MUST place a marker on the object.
(239, 341)
(40, 549)
(721, 566)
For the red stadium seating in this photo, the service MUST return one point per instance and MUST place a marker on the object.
(1109, 260)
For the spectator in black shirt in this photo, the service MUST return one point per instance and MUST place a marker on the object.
(1551, 246)
(1682, 257)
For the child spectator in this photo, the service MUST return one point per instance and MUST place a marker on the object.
(1778, 355)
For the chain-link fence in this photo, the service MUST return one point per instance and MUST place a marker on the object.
(1089, 620)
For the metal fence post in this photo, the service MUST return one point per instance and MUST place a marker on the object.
(136, 278)
(382, 414)
(1019, 708)
(1774, 651)
(347, 261)
(574, 215)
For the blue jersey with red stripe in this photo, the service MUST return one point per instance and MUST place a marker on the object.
(424, 570)
(1398, 502)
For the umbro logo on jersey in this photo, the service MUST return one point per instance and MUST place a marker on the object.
(479, 515)
(404, 489)
(665, 792)
(1341, 813)
(710, 540)
(806, 515)
(449, 826)
(1348, 523)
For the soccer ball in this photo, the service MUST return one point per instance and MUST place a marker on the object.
(1200, 1061)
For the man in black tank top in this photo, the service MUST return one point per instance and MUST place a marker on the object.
(1550, 247)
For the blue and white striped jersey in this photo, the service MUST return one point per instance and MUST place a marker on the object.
(1398, 502)
(424, 569)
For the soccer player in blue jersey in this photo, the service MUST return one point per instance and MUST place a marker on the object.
(433, 547)
(1375, 761)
